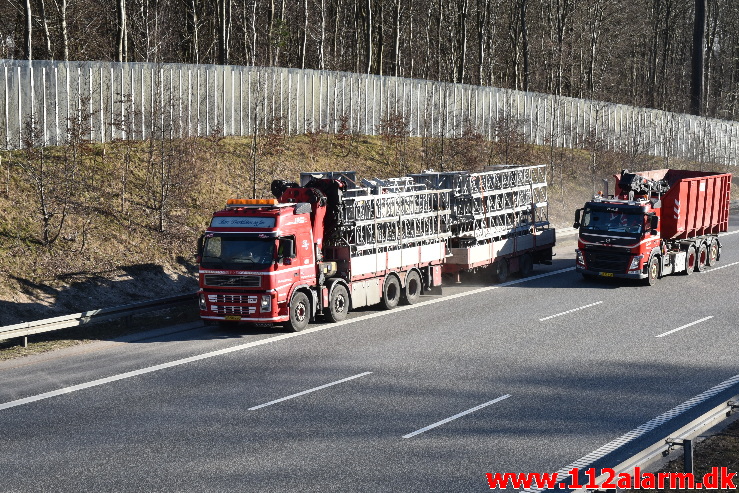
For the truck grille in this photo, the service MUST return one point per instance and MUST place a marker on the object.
(233, 281)
(234, 310)
(607, 261)
(232, 298)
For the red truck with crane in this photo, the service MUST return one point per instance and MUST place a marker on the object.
(331, 243)
(657, 223)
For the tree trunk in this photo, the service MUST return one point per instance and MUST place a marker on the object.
(321, 47)
(524, 46)
(65, 33)
(28, 32)
(396, 38)
(463, 7)
(696, 79)
(122, 32)
(304, 43)
(45, 27)
(224, 30)
(368, 36)
(270, 33)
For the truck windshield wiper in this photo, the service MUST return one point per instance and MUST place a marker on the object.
(219, 259)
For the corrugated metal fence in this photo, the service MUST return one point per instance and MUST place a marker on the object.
(109, 101)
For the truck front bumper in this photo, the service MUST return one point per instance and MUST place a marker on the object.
(595, 273)
(259, 308)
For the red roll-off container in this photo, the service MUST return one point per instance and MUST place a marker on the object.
(697, 202)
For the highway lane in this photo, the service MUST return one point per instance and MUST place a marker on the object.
(579, 360)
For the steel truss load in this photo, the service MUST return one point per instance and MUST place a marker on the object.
(497, 203)
(382, 215)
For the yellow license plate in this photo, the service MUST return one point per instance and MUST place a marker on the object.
(606, 274)
(233, 317)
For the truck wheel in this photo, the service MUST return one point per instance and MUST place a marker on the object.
(526, 265)
(412, 291)
(690, 260)
(712, 252)
(500, 270)
(700, 266)
(338, 304)
(299, 312)
(652, 271)
(391, 292)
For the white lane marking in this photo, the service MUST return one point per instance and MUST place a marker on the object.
(685, 326)
(444, 421)
(717, 268)
(261, 342)
(631, 437)
(570, 311)
(308, 391)
(728, 234)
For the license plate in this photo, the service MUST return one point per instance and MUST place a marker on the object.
(606, 274)
(233, 317)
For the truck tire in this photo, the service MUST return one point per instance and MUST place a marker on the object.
(690, 260)
(712, 252)
(299, 312)
(338, 304)
(525, 265)
(702, 260)
(652, 271)
(413, 287)
(391, 292)
(500, 270)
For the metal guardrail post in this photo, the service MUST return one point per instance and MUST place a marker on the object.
(687, 445)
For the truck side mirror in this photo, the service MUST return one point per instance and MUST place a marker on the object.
(199, 254)
(654, 222)
(286, 249)
(576, 224)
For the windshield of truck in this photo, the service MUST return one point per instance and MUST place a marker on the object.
(616, 222)
(237, 252)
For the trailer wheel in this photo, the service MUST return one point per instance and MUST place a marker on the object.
(412, 291)
(338, 305)
(690, 260)
(700, 266)
(299, 312)
(391, 292)
(500, 270)
(526, 265)
(712, 252)
(652, 271)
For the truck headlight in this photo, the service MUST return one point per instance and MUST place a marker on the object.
(635, 261)
(579, 258)
(201, 302)
(266, 303)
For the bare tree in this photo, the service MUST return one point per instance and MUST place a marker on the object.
(28, 32)
(699, 38)
(122, 32)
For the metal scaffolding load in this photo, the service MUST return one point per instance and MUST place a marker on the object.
(496, 203)
(384, 214)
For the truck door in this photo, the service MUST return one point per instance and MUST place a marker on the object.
(304, 250)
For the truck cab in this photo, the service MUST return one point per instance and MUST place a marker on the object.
(252, 257)
(617, 237)
(658, 222)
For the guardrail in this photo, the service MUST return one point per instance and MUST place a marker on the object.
(683, 436)
(25, 329)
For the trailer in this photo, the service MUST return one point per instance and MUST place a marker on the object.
(657, 223)
(332, 242)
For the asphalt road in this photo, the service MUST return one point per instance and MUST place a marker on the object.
(529, 376)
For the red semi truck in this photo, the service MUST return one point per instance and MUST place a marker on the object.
(331, 243)
(658, 222)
